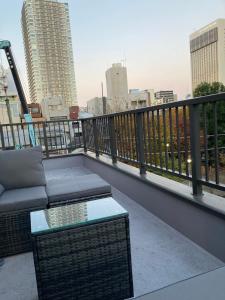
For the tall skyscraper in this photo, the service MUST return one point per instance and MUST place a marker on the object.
(48, 50)
(207, 48)
(117, 88)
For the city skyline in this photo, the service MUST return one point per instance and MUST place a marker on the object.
(143, 33)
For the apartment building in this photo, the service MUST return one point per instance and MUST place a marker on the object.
(207, 50)
(48, 50)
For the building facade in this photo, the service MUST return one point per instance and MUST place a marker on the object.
(207, 50)
(14, 106)
(117, 88)
(48, 50)
(163, 97)
(54, 109)
(139, 98)
(95, 106)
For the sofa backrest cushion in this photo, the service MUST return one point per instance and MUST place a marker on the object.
(22, 168)
(1, 189)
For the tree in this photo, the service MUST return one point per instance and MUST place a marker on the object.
(217, 87)
(202, 89)
(206, 88)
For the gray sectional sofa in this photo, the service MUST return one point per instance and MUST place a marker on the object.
(24, 188)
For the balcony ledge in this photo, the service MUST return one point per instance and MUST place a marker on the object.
(207, 201)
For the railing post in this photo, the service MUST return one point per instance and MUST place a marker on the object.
(112, 137)
(2, 137)
(45, 140)
(95, 138)
(195, 149)
(140, 143)
(84, 136)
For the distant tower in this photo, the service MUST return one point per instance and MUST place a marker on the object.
(48, 49)
(208, 53)
(117, 88)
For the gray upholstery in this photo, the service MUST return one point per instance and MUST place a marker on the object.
(79, 187)
(19, 199)
(22, 168)
(1, 189)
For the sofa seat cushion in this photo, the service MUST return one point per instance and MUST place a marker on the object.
(79, 187)
(22, 168)
(20, 199)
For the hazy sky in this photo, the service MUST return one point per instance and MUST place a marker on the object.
(153, 37)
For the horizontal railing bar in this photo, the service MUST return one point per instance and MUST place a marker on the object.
(213, 185)
(42, 122)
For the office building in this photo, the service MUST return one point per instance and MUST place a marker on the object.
(117, 88)
(163, 97)
(48, 50)
(207, 49)
(139, 98)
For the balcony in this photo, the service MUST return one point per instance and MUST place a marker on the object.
(161, 162)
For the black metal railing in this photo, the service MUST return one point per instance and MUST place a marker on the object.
(185, 139)
(55, 137)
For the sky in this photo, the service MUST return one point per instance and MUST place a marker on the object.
(150, 37)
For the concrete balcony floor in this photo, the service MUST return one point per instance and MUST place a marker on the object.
(160, 255)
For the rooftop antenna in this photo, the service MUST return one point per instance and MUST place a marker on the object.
(124, 61)
(103, 100)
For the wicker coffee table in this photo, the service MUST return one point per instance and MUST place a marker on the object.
(82, 251)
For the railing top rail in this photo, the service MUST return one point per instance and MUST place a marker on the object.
(197, 100)
(39, 122)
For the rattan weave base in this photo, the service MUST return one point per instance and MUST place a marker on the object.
(85, 263)
(15, 234)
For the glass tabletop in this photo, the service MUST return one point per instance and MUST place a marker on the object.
(87, 212)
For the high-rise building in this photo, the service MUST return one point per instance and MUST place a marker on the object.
(48, 50)
(117, 88)
(207, 48)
